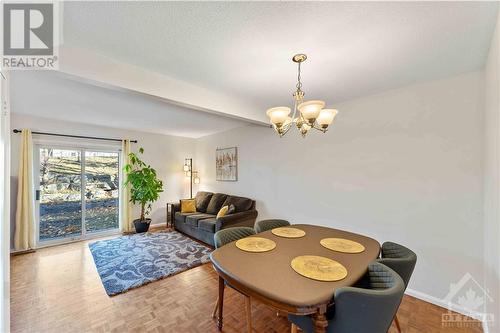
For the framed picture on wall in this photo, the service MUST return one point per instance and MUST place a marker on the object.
(226, 164)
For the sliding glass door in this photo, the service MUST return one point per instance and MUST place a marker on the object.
(59, 195)
(101, 191)
(77, 193)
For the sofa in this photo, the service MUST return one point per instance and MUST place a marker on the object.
(203, 224)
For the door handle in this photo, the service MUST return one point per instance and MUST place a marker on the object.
(37, 195)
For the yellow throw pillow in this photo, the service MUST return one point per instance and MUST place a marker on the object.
(222, 212)
(188, 206)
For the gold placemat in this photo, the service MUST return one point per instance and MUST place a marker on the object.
(319, 268)
(342, 245)
(288, 232)
(255, 244)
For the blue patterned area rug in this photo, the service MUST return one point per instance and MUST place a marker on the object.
(131, 261)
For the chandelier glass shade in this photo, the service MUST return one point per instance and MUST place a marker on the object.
(279, 115)
(306, 114)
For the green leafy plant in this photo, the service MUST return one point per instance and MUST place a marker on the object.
(145, 186)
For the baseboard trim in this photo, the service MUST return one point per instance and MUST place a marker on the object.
(18, 252)
(439, 302)
(158, 224)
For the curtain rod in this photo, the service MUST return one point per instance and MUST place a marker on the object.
(75, 136)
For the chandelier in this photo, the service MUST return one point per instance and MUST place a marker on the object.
(311, 114)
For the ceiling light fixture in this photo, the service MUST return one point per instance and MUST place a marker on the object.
(311, 114)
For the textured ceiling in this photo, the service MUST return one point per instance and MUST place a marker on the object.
(52, 95)
(244, 48)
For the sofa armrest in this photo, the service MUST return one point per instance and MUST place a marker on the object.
(241, 219)
(176, 208)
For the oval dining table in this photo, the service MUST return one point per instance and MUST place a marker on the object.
(269, 277)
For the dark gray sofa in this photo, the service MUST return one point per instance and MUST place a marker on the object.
(203, 224)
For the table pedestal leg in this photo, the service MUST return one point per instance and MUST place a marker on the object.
(320, 323)
(220, 302)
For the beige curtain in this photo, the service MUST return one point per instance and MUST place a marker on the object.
(125, 205)
(24, 237)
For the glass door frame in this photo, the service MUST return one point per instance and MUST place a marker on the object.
(36, 176)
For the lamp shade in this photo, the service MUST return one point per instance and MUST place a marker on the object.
(310, 109)
(186, 167)
(196, 179)
(278, 115)
(326, 117)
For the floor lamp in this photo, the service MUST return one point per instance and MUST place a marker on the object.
(193, 175)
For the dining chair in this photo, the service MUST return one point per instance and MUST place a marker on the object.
(228, 235)
(361, 310)
(402, 260)
(222, 238)
(264, 225)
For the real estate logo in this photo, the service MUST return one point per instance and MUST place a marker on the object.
(469, 298)
(29, 33)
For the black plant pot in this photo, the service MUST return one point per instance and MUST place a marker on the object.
(141, 226)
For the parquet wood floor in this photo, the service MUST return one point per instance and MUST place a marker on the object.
(57, 289)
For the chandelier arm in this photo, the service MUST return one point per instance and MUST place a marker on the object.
(287, 128)
(319, 128)
(294, 110)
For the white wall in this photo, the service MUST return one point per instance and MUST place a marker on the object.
(404, 165)
(492, 177)
(165, 153)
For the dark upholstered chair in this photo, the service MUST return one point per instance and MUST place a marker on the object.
(402, 260)
(222, 238)
(229, 235)
(264, 225)
(358, 310)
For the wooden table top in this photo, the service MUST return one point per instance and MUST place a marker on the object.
(270, 275)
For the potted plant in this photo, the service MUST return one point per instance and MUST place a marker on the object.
(145, 188)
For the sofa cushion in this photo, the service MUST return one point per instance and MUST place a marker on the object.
(222, 212)
(202, 199)
(242, 204)
(192, 220)
(181, 217)
(215, 203)
(188, 206)
(207, 225)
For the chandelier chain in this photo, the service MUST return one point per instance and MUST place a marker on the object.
(299, 84)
